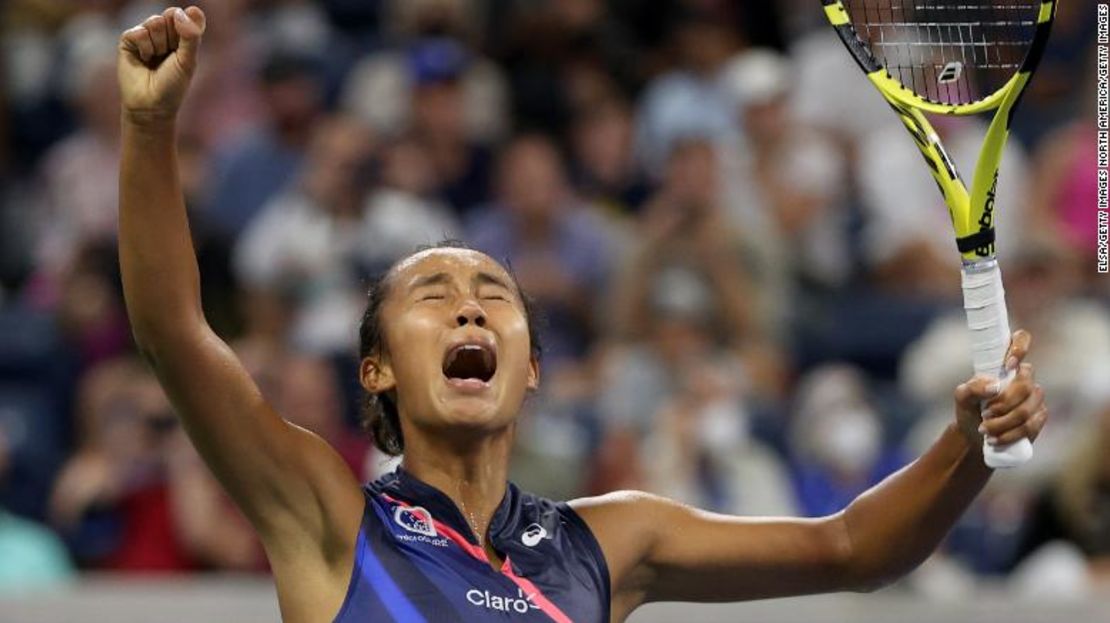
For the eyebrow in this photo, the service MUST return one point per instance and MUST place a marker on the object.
(440, 278)
(430, 280)
(484, 278)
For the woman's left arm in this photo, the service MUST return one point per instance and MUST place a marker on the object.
(659, 550)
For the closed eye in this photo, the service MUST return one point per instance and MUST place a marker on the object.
(432, 297)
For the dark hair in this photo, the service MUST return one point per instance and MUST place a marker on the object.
(379, 411)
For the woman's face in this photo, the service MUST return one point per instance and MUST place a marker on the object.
(458, 352)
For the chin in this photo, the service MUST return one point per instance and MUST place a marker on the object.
(472, 412)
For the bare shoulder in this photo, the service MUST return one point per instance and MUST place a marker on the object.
(620, 524)
(627, 526)
(623, 507)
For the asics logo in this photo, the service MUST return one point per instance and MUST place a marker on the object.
(533, 534)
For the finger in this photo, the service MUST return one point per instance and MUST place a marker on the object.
(1037, 423)
(171, 28)
(1019, 348)
(1015, 417)
(1015, 393)
(190, 24)
(129, 49)
(1029, 430)
(196, 16)
(138, 39)
(979, 388)
(156, 28)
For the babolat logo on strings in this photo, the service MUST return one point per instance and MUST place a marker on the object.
(951, 72)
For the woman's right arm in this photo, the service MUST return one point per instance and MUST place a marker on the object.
(291, 485)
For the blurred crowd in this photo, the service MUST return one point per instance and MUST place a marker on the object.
(749, 285)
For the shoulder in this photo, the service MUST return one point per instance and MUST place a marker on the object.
(625, 523)
(628, 508)
(628, 527)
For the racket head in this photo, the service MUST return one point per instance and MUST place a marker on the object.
(953, 57)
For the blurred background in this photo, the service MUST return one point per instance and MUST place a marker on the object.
(749, 283)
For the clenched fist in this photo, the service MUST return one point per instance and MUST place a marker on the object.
(156, 61)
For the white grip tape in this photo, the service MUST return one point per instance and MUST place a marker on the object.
(985, 304)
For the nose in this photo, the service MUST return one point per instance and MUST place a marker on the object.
(471, 313)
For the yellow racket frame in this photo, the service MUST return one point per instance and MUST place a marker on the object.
(972, 213)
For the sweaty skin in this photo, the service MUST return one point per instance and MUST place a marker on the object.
(306, 505)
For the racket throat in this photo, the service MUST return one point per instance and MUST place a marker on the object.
(981, 243)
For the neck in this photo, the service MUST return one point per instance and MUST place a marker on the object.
(473, 473)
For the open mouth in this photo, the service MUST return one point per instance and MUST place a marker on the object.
(472, 364)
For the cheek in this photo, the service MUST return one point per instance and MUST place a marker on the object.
(516, 346)
(412, 347)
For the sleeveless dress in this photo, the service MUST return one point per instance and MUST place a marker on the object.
(417, 560)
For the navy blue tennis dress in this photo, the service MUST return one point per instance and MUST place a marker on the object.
(417, 561)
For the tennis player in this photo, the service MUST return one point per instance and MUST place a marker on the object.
(448, 356)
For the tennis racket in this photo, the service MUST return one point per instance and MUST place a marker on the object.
(957, 57)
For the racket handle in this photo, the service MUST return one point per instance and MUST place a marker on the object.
(985, 305)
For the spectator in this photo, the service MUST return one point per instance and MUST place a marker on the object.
(303, 248)
(1051, 100)
(791, 184)
(437, 87)
(605, 171)
(112, 500)
(461, 159)
(559, 437)
(828, 85)
(556, 246)
(688, 100)
(78, 174)
(1066, 185)
(404, 212)
(562, 57)
(135, 497)
(677, 411)
(33, 33)
(382, 87)
(1075, 507)
(31, 556)
(209, 527)
(688, 239)
(838, 440)
(89, 309)
(684, 315)
(251, 169)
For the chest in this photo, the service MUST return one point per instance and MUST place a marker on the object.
(410, 569)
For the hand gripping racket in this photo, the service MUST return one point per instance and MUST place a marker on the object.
(957, 57)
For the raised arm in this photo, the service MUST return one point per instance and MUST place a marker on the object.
(295, 490)
(662, 551)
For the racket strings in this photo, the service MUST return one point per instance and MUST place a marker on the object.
(953, 52)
